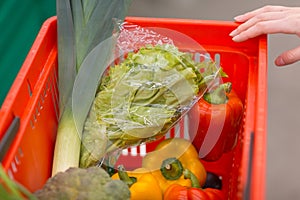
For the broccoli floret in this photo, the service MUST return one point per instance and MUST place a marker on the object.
(92, 183)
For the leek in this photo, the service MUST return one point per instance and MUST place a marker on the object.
(82, 25)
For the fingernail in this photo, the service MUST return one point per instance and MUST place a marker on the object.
(233, 33)
(238, 18)
(236, 38)
(279, 61)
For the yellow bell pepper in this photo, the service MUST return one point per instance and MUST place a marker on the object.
(142, 184)
(168, 160)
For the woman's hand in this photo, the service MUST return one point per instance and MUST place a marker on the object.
(270, 20)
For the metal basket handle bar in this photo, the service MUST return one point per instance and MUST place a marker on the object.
(9, 137)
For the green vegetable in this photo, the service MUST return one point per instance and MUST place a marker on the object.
(141, 98)
(11, 190)
(84, 184)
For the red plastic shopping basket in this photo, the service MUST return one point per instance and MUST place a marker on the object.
(29, 114)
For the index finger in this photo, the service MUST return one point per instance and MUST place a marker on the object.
(265, 27)
(249, 15)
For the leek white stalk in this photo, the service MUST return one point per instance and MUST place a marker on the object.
(67, 145)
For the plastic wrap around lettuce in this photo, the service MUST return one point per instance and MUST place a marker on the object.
(141, 98)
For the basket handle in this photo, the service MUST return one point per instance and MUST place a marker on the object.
(247, 192)
(9, 137)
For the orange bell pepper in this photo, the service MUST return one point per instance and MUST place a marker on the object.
(179, 192)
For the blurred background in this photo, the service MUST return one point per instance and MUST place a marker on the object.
(283, 134)
(21, 23)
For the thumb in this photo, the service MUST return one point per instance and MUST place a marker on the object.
(288, 57)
